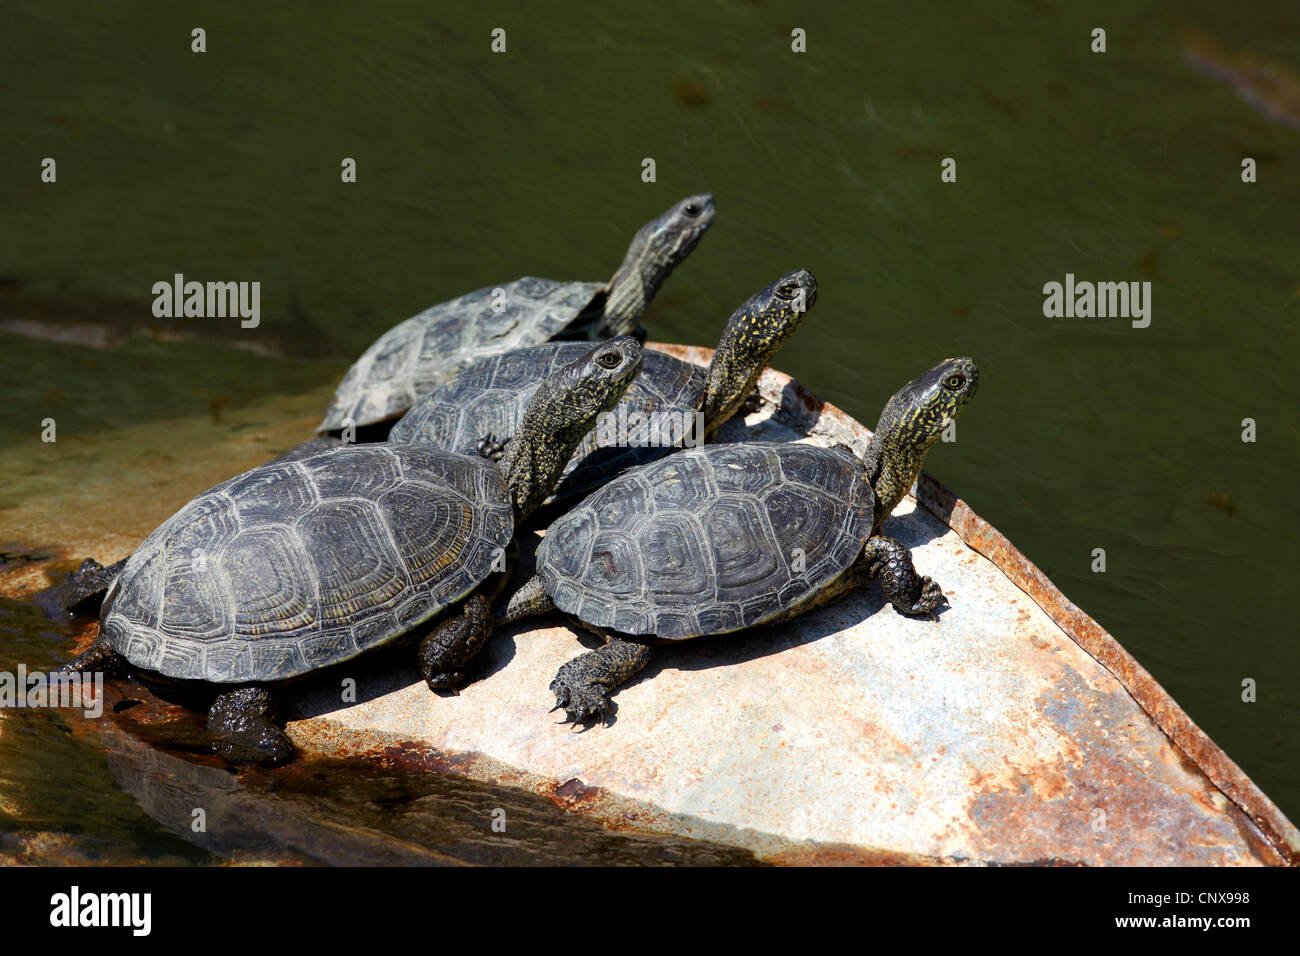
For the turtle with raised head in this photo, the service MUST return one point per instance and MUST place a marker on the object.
(658, 414)
(719, 539)
(297, 565)
(428, 349)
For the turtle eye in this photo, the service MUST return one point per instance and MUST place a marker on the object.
(608, 360)
(691, 209)
(955, 382)
(787, 290)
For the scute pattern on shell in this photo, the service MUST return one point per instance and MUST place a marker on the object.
(703, 542)
(428, 349)
(490, 397)
(296, 565)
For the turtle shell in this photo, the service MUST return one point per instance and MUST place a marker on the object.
(709, 540)
(491, 396)
(296, 565)
(430, 348)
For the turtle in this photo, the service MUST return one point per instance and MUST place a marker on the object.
(295, 566)
(429, 348)
(672, 403)
(718, 539)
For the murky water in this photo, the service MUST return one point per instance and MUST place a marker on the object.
(474, 168)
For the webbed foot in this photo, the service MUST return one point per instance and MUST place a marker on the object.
(580, 698)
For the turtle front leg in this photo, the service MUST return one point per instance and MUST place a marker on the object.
(446, 650)
(491, 447)
(242, 723)
(582, 685)
(81, 591)
(910, 593)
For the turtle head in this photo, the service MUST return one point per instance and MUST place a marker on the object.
(753, 334)
(913, 421)
(563, 409)
(656, 250)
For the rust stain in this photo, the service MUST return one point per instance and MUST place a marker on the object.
(611, 810)
(1092, 803)
(835, 855)
(1172, 720)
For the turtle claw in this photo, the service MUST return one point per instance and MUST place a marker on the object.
(581, 700)
(448, 682)
(910, 593)
(490, 447)
(929, 602)
(582, 686)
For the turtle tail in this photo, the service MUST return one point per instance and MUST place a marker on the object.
(529, 600)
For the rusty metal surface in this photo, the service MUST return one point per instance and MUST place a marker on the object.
(804, 411)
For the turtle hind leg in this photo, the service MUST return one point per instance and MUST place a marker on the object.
(243, 728)
(582, 686)
(910, 593)
(529, 600)
(101, 657)
(446, 650)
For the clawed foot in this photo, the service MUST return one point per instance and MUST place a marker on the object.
(928, 604)
(451, 681)
(909, 592)
(582, 686)
(581, 697)
(490, 447)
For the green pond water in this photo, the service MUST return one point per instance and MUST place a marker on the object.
(474, 168)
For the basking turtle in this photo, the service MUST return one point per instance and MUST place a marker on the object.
(658, 413)
(717, 539)
(291, 567)
(428, 349)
